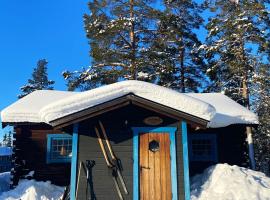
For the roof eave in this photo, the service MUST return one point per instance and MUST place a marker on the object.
(124, 101)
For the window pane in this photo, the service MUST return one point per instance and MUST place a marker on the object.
(202, 147)
(60, 148)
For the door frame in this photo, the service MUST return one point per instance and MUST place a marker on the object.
(136, 173)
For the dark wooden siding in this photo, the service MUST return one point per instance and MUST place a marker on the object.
(231, 147)
(89, 149)
(31, 149)
(118, 126)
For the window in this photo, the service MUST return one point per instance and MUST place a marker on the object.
(59, 148)
(202, 147)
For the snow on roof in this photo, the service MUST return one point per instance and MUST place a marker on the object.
(227, 110)
(145, 90)
(5, 151)
(27, 108)
(48, 105)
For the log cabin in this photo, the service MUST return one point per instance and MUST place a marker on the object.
(127, 140)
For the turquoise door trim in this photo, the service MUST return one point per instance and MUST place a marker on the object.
(186, 161)
(136, 173)
(73, 177)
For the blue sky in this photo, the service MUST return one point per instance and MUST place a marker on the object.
(31, 30)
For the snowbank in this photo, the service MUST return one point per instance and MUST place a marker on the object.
(4, 182)
(219, 182)
(33, 190)
(225, 182)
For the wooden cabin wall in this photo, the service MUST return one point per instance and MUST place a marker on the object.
(231, 147)
(118, 127)
(31, 149)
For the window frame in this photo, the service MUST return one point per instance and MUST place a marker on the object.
(214, 153)
(50, 138)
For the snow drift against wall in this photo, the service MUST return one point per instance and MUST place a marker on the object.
(225, 182)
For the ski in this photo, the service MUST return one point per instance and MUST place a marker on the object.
(115, 160)
(110, 166)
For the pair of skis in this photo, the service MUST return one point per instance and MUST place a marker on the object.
(113, 164)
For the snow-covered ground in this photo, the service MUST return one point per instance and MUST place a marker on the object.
(226, 182)
(4, 182)
(219, 182)
(29, 190)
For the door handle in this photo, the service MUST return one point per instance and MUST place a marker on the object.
(143, 167)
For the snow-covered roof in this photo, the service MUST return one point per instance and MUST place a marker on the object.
(27, 109)
(227, 110)
(5, 151)
(48, 105)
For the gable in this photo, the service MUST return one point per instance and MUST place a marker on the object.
(122, 102)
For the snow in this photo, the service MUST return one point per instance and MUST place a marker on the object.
(143, 75)
(29, 175)
(227, 111)
(5, 151)
(29, 190)
(27, 109)
(218, 182)
(142, 89)
(48, 105)
(226, 182)
(4, 182)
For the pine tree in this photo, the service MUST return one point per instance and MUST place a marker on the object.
(9, 140)
(5, 140)
(181, 64)
(232, 61)
(236, 28)
(261, 104)
(120, 34)
(39, 79)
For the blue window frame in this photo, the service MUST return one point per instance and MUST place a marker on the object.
(203, 147)
(59, 148)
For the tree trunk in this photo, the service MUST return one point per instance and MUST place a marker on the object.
(133, 67)
(245, 94)
(182, 70)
